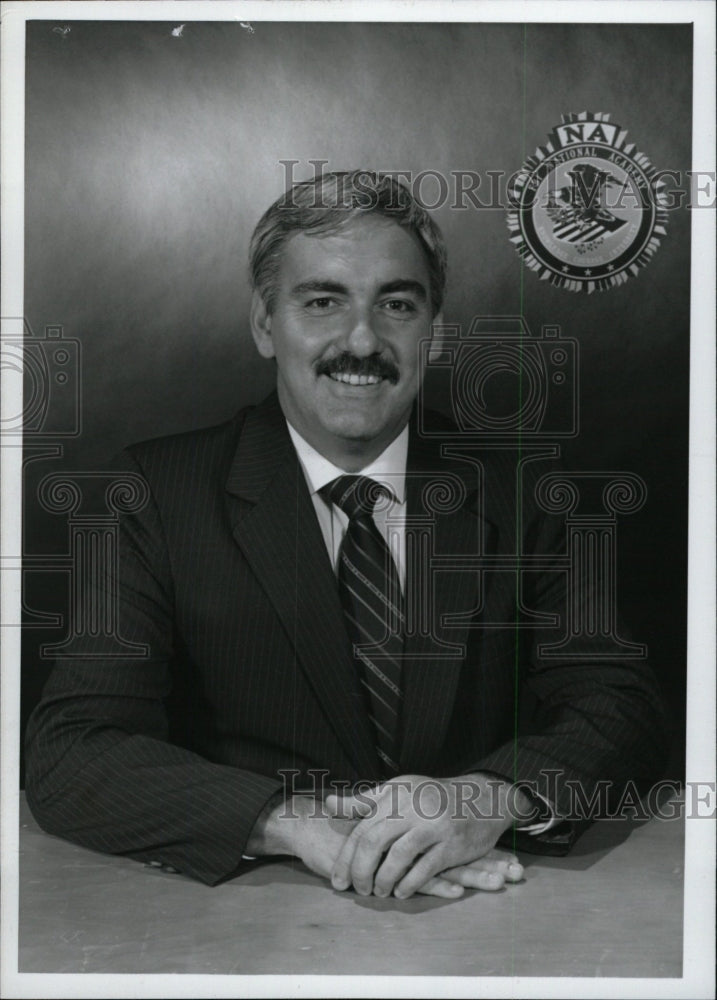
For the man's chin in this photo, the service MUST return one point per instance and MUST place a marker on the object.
(366, 428)
(354, 418)
(360, 432)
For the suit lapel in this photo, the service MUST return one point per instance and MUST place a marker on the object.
(434, 651)
(275, 525)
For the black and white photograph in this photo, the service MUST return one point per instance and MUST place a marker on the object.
(358, 499)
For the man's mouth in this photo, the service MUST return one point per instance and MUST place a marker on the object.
(350, 370)
(355, 379)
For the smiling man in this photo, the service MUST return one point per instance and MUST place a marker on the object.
(345, 323)
(313, 686)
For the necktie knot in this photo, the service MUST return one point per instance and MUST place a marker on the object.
(355, 495)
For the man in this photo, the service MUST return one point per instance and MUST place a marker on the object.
(301, 639)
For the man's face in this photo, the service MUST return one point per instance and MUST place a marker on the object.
(350, 310)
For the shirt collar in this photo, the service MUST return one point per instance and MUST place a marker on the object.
(389, 468)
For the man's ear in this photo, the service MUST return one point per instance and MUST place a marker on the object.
(260, 322)
(436, 348)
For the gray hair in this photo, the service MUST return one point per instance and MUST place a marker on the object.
(331, 201)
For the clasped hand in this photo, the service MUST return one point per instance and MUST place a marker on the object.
(419, 834)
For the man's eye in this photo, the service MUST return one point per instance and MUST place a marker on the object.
(399, 306)
(322, 302)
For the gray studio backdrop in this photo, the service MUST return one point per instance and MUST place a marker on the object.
(152, 152)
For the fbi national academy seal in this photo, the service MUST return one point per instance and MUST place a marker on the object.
(587, 210)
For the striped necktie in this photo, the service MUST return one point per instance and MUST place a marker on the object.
(371, 597)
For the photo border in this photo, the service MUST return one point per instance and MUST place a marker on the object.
(699, 919)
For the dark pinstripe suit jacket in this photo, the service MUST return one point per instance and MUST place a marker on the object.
(225, 576)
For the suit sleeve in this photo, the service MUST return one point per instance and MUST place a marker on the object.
(594, 723)
(101, 770)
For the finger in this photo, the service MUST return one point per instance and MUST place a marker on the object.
(372, 843)
(505, 862)
(341, 871)
(512, 871)
(399, 859)
(361, 855)
(472, 877)
(428, 865)
(351, 806)
(438, 886)
(496, 854)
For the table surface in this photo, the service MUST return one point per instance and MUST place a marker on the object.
(613, 907)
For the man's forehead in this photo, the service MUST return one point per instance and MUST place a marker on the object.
(371, 247)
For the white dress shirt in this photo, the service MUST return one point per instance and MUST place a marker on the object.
(389, 469)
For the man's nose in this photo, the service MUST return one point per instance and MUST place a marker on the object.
(362, 339)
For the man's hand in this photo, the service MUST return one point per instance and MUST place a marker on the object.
(304, 828)
(317, 838)
(300, 827)
(414, 828)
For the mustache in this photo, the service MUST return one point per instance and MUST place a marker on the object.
(348, 364)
